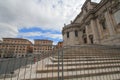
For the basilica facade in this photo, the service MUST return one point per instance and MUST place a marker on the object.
(97, 23)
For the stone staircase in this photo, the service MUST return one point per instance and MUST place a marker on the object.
(81, 63)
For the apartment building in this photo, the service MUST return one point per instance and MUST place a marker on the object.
(42, 46)
(15, 47)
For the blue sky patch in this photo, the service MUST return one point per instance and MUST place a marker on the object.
(38, 33)
(35, 29)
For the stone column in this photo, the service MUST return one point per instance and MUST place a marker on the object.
(71, 38)
(64, 39)
(99, 30)
(87, 33)
(80, 34)
(110, 25)
(96, 36)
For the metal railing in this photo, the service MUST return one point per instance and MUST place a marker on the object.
(85, 62)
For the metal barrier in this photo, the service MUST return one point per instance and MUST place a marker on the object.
(85, 62)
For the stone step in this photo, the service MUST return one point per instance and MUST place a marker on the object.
(73, 60)
(79, 64)
(92, 51)
(77, 57)
(91, 48)
(85, 57)
(81, 55)
(88, 55)
(74, 75)
(102, 77)
(75, 68)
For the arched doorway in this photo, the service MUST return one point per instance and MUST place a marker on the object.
(91, 39)
(84, 39)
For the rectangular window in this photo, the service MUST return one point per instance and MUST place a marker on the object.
(85, 40)
(117, 17)
(84, 31)
(103, 25)
(76, 33)
(67, 34)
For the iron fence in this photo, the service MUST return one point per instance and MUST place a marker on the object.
(85, 62)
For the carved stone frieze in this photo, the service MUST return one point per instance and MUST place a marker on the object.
(87, 23)
(115, 6)
(84, 36)
(101, 18)
(110, 10)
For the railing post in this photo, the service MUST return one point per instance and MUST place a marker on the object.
(62, 65)
(6, 69)
(58, 64)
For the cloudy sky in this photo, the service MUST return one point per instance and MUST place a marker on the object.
(37, 19)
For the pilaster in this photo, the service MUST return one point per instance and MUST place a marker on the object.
(87, 33)
(95, 32)
(80, 34)
(99, 30)
(110, 24)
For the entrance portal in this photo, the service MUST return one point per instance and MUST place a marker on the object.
(85, 40)
(91, 39)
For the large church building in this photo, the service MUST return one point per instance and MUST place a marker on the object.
(97, 23)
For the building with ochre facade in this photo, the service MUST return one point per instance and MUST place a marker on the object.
(15, 47)
(42, 46)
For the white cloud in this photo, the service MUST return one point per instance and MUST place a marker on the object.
(31, 40)
(45, 14)
(38, 34)
(97, 1)
(7, 30)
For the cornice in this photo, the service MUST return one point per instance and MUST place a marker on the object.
(91, 13)
(70, 27)
(85, 3)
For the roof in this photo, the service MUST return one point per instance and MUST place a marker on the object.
(85, 3)
(42, 40)
(71, 25)
(18, 39)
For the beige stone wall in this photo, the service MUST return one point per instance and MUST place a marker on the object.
(101, 21)
(116, 20)
(117, 16)
(72, 40)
